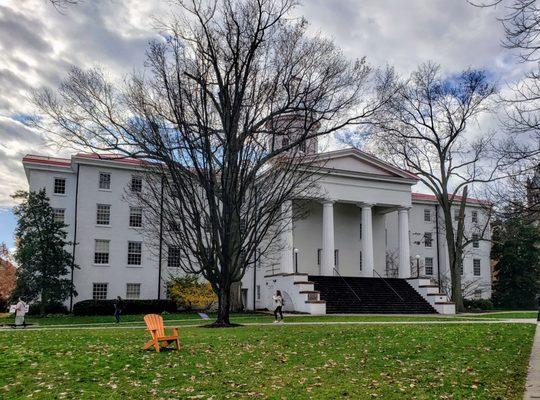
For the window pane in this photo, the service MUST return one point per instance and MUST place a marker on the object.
(475, 240)
(427, 215)
(136, 183)
(59, 214)
(135, 217)
(474, 216)
(134, 253)
(133, 291)
(476, 267)
(173, 257)
(360, 261)
(104, 180)
(59, 186)
(99, 291)
(103, 215)
(428, 239)
(101, 253)
(429, 265)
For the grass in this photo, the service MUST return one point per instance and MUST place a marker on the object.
(193, 318)
(509, 314)
(486, 361)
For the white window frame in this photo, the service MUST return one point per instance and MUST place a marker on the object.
(477, 267)
(102, 255)
(133, 291)
(361, 264)
(57, 212)
(100, 290)
(102, 211)
(138, 187)
(134, 253)
(106, 182)
(428, 265)
(474, 216)
(475, 240)
(55, 186)
(336, 258)
(427, 215)
(135, 215)
(173, 260)
(428, 239)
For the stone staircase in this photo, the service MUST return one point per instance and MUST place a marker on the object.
(298, 292)
(374, 295)
(430, 292)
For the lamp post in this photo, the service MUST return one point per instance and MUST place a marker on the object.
(295, 260)
(417, 265)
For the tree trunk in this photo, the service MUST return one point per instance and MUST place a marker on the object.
(236, 297)
(224, 304)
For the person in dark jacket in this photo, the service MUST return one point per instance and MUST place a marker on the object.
(118, 307)
(538, 306)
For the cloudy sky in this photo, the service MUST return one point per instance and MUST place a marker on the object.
(38, 45)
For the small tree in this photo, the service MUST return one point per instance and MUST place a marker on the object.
(516, 252)
(7, 276)
(190, 293)
(41, 255)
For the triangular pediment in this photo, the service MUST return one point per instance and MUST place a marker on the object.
(356, 161)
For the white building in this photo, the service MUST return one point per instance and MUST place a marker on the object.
(366, 222)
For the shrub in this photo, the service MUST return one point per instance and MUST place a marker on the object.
(106, 307)
(477, 304)
(189, 293)
(51, 308)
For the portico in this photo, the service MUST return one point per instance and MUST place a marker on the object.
(343, 230)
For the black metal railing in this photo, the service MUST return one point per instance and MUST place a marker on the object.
(387, 284)
(349, 286)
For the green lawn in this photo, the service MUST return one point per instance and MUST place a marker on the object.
(193, 318)
(508, 314)
(459, 361)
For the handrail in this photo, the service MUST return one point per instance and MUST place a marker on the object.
(390, 286)
(352, 290)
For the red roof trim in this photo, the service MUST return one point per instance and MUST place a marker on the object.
(431, 197)
(111, 157)
(62, 162)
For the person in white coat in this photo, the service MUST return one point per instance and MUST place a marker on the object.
(20, 312)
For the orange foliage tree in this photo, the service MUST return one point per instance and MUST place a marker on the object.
(189, 293)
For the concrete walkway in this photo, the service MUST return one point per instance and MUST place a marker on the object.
(292, 323)
(532, 385)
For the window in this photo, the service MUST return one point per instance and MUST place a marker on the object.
(99, 291)
(428, 265)
(360, 261)
(285, 142)
(134, 253)
(104, 180)
(475, 241)
(474, 216)
(360, 231)
(303, 147)
(336, 258)
(461, 269)
(428, 239)
(59, 186)
(476, 267)
(173, 257)
(456, 214)
(103, 215)
(59, 214)
(135, 217)
(427, 214)
(258, 292)
(478, 294)
(136, 184)
(133, 291)
(101, 251)
(319, 256)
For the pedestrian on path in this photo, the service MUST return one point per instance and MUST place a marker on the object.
(20, 312)
(278, 300)
(118, 307)
(538, 306)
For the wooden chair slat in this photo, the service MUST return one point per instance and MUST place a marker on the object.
(155, 325)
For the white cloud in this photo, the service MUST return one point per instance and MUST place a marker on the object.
(38, 45)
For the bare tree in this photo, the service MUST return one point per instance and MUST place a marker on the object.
(425, 128)
(232, 98)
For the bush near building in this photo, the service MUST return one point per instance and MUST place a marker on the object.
(106, 307)
(189, 293)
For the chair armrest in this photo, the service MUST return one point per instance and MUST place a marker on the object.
(175, 331)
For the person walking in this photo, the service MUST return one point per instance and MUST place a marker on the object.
(278, 300)
(118, 307)
(20, 312)
(538, 306)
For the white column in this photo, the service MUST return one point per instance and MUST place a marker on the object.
(327, 267)
(404, 245)
(287, 265)
(367, 240)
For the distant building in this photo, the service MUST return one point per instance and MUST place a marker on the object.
(366, 222)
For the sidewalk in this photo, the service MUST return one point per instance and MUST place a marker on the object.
(532, 385)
